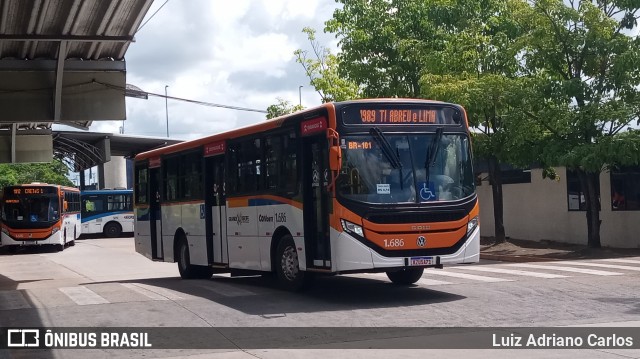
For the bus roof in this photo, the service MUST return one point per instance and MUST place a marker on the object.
(231, 134)
(270, 124)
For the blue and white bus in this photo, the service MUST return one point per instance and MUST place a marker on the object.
(107, 211)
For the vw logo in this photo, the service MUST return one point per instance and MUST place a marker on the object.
(421, 241)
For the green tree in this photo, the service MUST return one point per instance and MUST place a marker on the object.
(322, 69)
(586, 62)
(478, 67)
(283, 107)
(54, 172)
(386, 44)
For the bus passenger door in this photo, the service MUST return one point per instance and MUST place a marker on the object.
(215, 211)
(316, 177)
(155, 217)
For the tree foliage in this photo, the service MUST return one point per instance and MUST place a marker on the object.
(553, 82)
(322, 71)
(588, 72)
(283, 107)
(54, 172)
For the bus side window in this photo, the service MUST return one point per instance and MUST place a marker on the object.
(289, 177)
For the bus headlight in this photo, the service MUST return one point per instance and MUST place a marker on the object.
(352, 228)
(5, 231)
(54, 230)
(472, 225)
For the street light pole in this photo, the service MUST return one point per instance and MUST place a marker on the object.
(166, 108)
(300, 93)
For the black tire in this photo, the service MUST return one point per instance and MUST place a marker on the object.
(73, 241)
(112, 230)
(287, 268)
(188, 270)
(405, 276)
(60, 247)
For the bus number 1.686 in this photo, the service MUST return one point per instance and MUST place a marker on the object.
(390, 243)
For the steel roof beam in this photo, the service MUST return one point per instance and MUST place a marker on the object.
(70, 38)
(57, 93)
(69, 65)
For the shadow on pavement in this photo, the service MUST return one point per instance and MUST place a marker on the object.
(260, 295)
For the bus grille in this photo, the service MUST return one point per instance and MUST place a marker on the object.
(444, 216)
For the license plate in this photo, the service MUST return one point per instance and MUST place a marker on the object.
(421, 261)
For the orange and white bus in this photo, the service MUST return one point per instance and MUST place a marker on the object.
(382, 185)
(39, 214)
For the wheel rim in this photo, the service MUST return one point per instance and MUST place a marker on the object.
(289, 263)
(111, 230)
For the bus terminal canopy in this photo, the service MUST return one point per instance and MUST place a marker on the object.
(61, 62)
(83, 150)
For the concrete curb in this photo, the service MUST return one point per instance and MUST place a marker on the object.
(515, 258)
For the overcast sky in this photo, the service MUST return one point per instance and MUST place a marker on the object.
(237, 53)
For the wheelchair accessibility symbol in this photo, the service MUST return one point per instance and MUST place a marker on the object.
(426, 193)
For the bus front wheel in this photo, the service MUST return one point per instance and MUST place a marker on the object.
(188, 270)
(405, 276)
(287, 266)
(112, 230)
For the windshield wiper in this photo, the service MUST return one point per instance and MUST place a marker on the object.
(432, 152)
(393, 158)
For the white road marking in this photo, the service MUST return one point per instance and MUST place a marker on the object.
(448, 273)
(565, 269)
(83, 295)
(600, 265)
(628, 261)
(484, 268)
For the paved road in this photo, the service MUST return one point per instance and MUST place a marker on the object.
(104, 283)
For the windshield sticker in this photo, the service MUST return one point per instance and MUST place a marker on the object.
(384, 188)
(427, 193)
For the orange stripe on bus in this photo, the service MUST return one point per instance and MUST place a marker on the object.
(244, 201)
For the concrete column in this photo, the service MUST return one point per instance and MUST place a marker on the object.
(115, 173)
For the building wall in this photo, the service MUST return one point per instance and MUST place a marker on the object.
(539, 211)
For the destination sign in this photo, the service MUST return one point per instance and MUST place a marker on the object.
(401, 115)
(32, 190)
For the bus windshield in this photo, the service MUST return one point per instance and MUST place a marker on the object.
(397, 168)
(31, 209)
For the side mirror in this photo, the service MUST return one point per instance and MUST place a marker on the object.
(66, 205)
(335, 158)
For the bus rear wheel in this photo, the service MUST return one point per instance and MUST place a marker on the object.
(112, 230)
(73, 241)
(405, 276)
(188, 270)
(287, 266)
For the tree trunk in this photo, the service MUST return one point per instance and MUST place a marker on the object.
(495, 179)
(588, 184)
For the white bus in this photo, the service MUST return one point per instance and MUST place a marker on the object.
(107, 211)
(383, 185)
